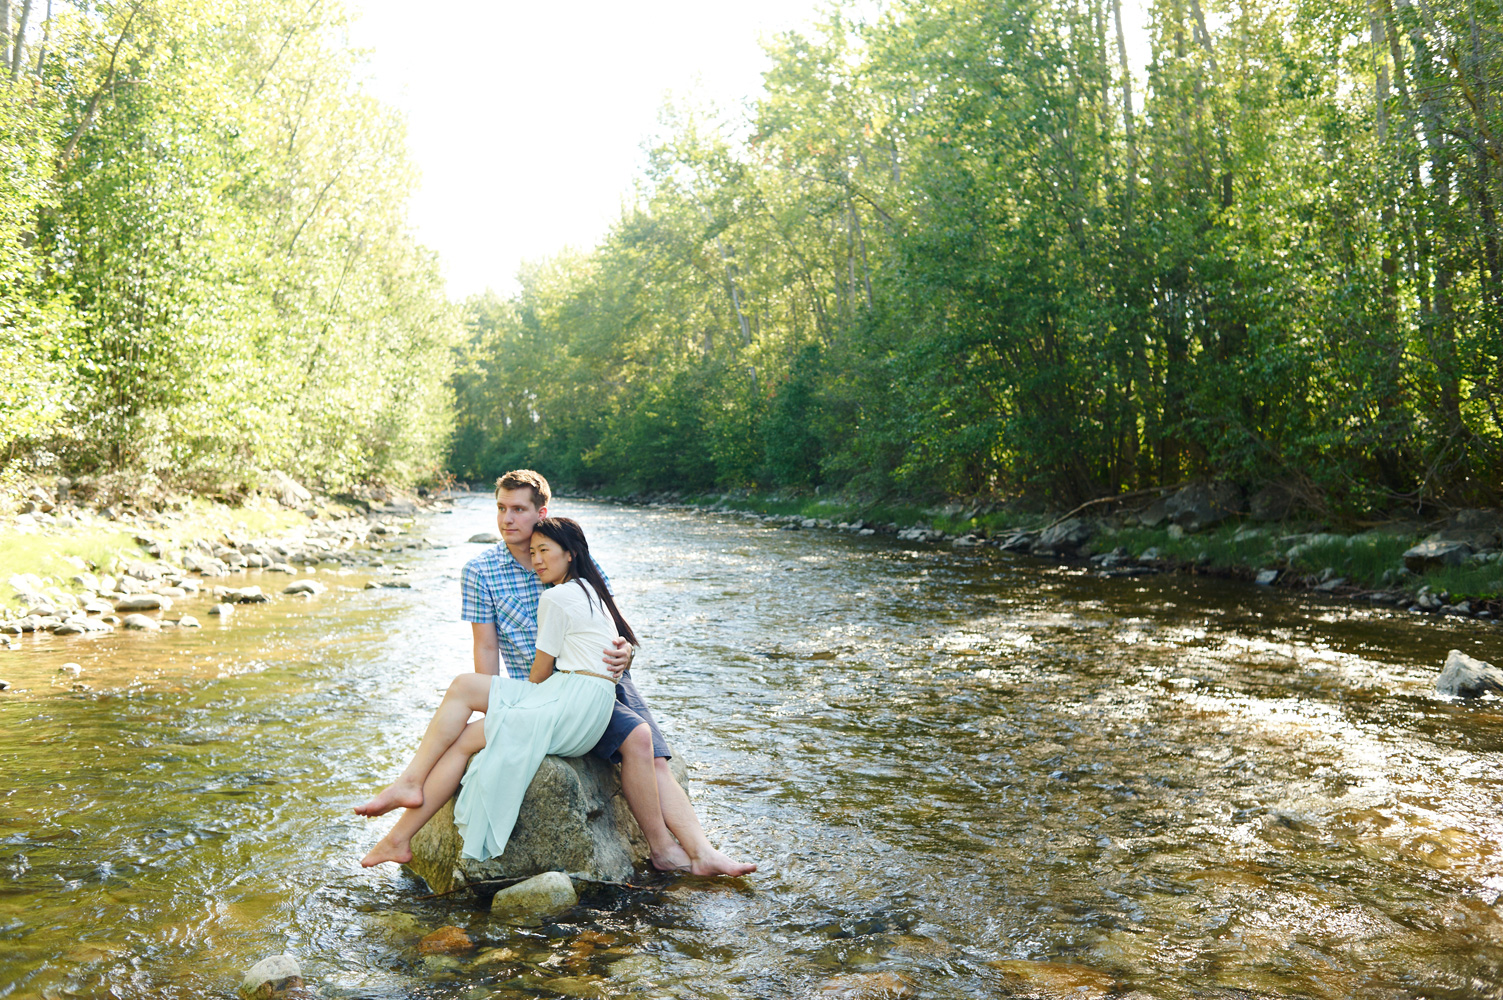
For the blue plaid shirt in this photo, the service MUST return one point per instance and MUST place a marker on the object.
(495, 589)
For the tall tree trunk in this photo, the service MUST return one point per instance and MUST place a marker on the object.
(4, 32)
(19, 48)
(46, 38)
(1127, 118)
(730, 281)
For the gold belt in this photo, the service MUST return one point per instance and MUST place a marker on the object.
(591, 673)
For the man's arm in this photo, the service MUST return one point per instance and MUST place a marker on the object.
(487, 649)
(542, 667)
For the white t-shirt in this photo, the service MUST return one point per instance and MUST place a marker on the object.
(574, 627)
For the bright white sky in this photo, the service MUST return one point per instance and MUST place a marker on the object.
(527, 119)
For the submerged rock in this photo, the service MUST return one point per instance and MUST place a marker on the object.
(312, 587)
(449, 940)
(573, 819)
(141, 623)
(485, 538)
(547, 893)
(277, 976)
(1467, 677)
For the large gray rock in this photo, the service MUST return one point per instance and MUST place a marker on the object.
(1433, 555)
(574, 819)
(1477, 538)
(1467, 677)
(485, 538)
(1200, 505)
(1067, 537)
(288, 491)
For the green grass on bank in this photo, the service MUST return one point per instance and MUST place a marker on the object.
(51, 556)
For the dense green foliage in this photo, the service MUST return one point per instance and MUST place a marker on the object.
(205, 268)
(958, 249)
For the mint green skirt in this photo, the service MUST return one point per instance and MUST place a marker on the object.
(565, 715)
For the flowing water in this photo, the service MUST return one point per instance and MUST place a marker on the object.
(963, 774)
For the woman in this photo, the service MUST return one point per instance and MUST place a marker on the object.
(562, 708)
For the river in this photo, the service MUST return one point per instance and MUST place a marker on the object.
(963, 773)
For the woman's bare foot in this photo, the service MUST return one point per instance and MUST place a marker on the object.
(399, 851)
(399, 793)
(672, 859)
(712, 862)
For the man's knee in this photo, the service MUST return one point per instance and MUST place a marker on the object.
(638, 743)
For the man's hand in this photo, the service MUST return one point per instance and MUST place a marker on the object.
(617, 657)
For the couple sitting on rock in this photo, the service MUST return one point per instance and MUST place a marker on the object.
(553, 699)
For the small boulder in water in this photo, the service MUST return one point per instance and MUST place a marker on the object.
(277, 976)
(141, 623)
(310, 587)
(539, 895)
(485, 538)
(224, 610)
(1467, 677)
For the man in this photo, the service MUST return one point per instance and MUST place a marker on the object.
(500, 595)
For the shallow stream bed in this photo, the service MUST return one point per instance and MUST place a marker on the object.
(963, 773)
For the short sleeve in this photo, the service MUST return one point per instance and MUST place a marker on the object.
(474, 595)
(551, 621)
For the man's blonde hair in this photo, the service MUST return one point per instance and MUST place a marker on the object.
(526, 479)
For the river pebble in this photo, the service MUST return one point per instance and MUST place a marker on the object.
(141, 623)
(545, 893)
(144, 602)
(272, 977)
(448, 940)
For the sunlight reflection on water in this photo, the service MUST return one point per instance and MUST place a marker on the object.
(964, 772)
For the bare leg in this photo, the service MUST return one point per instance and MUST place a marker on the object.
(679, 817)
(467, 693)
(640, 786)
(443, 781)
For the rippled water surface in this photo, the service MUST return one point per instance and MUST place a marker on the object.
(963, 773)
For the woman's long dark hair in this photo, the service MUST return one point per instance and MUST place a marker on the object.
(570, 537)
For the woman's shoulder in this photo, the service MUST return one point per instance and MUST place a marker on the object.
(568, 594)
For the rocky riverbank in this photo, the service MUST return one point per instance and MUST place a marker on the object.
(1451, 566)
(80, 561)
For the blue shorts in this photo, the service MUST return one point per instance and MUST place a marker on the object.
(629, 712)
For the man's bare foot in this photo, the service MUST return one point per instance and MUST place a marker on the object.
(387, 850)
(399, 793)
(712, 862)
(672, 859)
